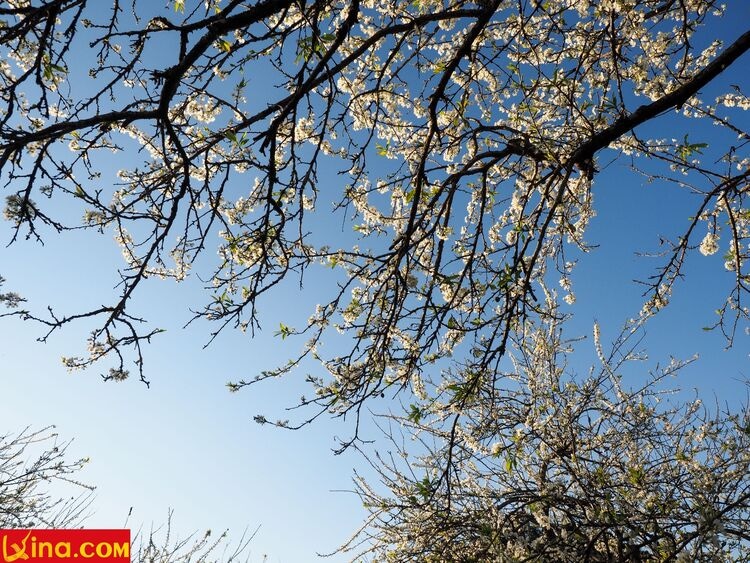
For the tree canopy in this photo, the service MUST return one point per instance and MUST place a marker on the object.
(467, 138)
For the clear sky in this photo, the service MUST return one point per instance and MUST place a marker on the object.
(187, 444)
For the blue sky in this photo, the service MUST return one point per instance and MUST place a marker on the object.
(187, 444)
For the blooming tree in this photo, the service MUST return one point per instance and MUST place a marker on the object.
(29, 461)
(546, 466)
(469, 137)
(35, 477)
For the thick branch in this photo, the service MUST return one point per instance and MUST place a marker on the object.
(674, 99)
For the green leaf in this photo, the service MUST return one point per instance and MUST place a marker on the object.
(424, 488)
(382, 150)
(510, 462)
(461, 391)
(415, 415)
(610, 104)
(283, 331)
(635, 475)
(308, 46)
(687, 149)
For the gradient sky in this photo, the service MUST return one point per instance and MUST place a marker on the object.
(187, 444)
